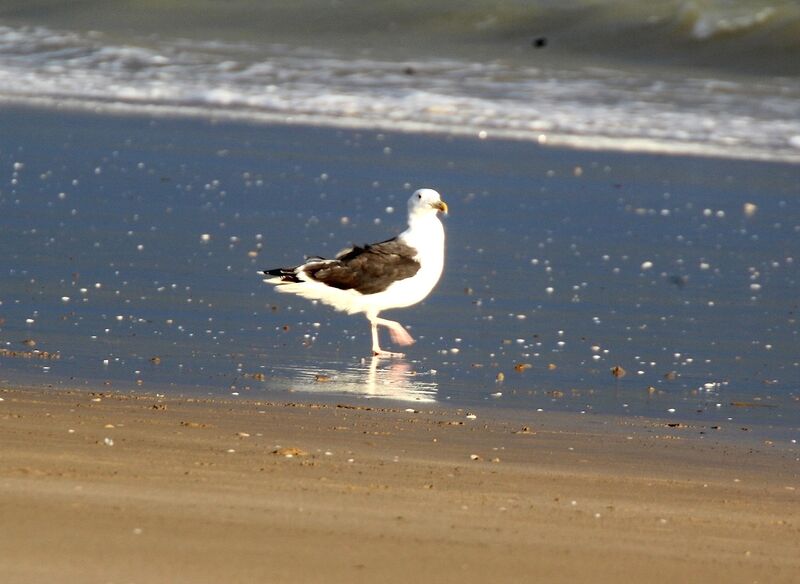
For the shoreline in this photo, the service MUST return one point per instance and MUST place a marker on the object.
(748, 432)
(553, 140)
(181, 489)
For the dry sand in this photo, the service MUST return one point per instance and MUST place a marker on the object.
(122, 488)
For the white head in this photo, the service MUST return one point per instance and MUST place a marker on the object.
(425, 202)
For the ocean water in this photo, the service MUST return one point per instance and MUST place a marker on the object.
(131, 248)
(714, 77)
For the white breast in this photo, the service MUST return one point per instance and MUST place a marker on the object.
(427, 237)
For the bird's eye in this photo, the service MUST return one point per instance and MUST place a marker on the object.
(419, 196)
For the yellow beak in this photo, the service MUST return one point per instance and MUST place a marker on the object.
(441, 205)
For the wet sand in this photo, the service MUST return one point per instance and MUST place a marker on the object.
(132, 249)
(138, 488)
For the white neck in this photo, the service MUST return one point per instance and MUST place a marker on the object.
(425, 232)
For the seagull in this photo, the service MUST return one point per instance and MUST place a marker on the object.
(395, 273)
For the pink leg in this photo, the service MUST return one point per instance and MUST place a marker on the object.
(374, 321)
(396, 330)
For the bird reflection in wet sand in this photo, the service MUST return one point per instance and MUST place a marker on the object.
(396, 381)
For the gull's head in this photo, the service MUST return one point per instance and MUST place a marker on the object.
(426, 202)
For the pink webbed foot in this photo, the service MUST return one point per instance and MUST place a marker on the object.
(400, 336)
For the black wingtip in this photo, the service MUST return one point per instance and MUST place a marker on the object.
(285, 274)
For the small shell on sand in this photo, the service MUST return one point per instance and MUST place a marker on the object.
(289, 452)
(524, 430)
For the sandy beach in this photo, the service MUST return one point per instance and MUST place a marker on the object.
(107, 487)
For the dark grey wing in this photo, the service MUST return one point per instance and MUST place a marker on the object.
(369, 269)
